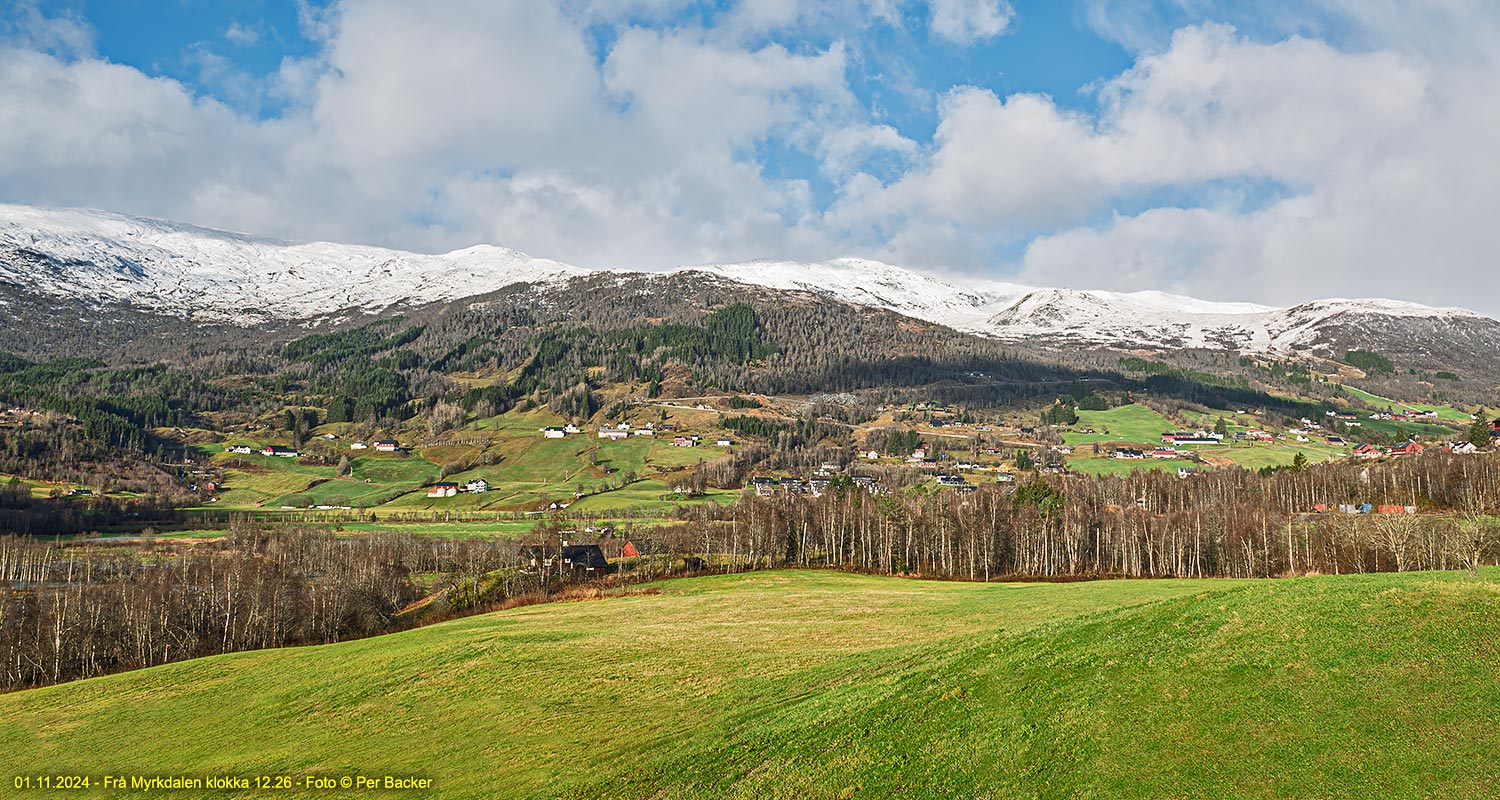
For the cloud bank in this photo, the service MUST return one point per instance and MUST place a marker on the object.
(1321, 148)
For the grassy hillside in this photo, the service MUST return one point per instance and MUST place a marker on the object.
(1131, 423)
(811, 684)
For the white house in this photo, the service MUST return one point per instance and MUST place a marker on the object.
(477, 486)
(554, 432)
(358, 446)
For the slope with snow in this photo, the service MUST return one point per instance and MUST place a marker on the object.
(213, 275)
(1087, 317)
(206, 274)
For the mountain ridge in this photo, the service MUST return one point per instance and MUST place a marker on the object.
(220, 276)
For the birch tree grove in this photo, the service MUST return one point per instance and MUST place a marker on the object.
(1229, 523)
(69, 612)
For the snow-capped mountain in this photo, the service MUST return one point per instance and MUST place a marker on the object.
(1088, 317)
(204, 274)
(214, 275)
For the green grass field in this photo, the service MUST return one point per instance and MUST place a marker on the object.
(1132, 423)
(1444, 412)
(812, 684)
(1275, 455)
(524, 470)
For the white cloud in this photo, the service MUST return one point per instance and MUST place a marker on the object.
(970, 21)
(1274, 168)
(437, 127)
(65, 34)
(844, 151)
(1269, 171)
(242, 35)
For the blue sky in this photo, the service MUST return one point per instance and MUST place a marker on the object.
(1274, 151)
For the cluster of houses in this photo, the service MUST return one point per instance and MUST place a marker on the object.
(1402, 416)
(1193, 437)
(623, 430)
(815, 486)
(451, 488)
(274, 450)
(956, 483)
(17, 416)
(379, 446)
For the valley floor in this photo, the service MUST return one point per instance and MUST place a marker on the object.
(820, 684)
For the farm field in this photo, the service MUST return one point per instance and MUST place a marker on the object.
(1132, 423)
(1273, 455)
(816, 684)
(524, 471)
(1444, 412)
(1139, 425)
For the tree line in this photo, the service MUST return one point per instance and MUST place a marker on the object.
(74, 611)
(1227, 523)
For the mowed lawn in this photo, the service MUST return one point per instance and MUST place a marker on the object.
(813, 684)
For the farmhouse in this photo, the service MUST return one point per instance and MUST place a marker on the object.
(1164, 452)
(279, 452)
(1126, 452)
(477, 486)
(565, 557)
(764, 486)
(684, 441)
(613, 434)
(239, 448)
(387, 446)
(554, 432)
(442, 489)
(1406, 449)
(358, 446)
(723, 442)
